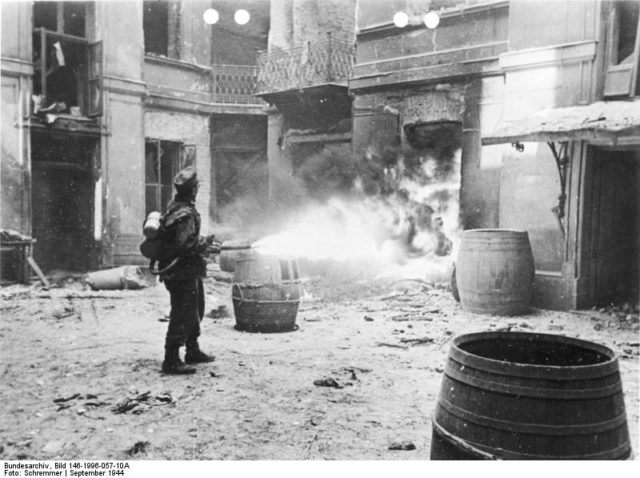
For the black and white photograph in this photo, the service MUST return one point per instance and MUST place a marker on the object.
(300, 231)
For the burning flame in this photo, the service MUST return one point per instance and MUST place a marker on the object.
(385, 231)
(339, 230)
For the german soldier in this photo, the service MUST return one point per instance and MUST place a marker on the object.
(184, 279)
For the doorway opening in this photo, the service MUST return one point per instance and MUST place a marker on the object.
(614, 251)
(63, 200)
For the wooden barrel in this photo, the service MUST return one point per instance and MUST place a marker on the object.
(495, 272)
(266, 292)
(516, 395)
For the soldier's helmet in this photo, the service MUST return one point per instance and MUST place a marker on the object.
(185, 180)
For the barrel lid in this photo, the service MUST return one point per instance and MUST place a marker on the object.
(606, 367)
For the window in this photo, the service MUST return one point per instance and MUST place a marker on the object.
(161, 24)
(68, 68)
(61, 17)
(623, 51)
(163, 160)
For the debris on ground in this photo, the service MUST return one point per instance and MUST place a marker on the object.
(66, 399)
(368, 318)
(273, 386)
(53, 446)
(164, 397)
(402, 445)
(417, 341)
(219, 312)
(139, 448)
(120, 278)
(140, 402)
(327, 382)
(396, 346)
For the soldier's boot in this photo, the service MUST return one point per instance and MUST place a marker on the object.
(173, 365)
(195, 355)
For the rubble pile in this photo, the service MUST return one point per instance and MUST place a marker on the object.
(9, 235)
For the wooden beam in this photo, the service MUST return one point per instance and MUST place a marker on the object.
(38, 272)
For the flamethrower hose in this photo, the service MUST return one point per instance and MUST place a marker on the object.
(174, 262)
(171, 265)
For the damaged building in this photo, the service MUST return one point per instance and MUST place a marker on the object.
(549, 124)
(304, 77)
(498, 127)
(103, 102)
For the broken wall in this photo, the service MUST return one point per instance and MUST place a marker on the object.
(295, 22)
(194, 32)
(234, 44)
(380, 119)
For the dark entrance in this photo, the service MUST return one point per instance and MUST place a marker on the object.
(613, 226)
(63, 200)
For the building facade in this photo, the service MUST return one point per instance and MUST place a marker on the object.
(544, 99)
(304, 76)
(103, 102)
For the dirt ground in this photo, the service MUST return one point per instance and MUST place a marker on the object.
(80, 373)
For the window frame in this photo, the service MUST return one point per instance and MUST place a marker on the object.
(621, 79)
(186, 155)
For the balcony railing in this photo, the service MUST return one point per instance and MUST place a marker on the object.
(329, 61)
(235, 84)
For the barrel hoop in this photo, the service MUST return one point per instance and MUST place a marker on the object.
(550, 372)
(546, 372)
(460, 443)
(499, 294)
(491, 247)
(533, 428)
(263, 301)
(621, 452)
(542, 372)
(522, 391)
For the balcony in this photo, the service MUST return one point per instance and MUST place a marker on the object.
(217, 88)
(235, 84)
(325, 62)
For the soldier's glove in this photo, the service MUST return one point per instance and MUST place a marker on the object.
(213, 246)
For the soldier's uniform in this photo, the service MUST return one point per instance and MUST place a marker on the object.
(181, 222)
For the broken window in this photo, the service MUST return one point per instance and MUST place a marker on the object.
(68, 68)
(61, 17)
(623, 50)
(163, 160)
(161, 24)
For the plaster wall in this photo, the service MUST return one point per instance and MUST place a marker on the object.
(16, 30)
(188, 129)
(124, 169)
(15, 198)
(554, 22)
(119, 26)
